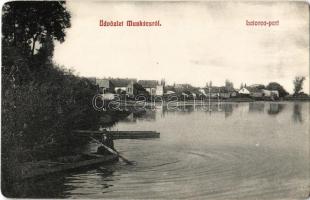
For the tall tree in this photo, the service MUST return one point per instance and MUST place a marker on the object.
(298, 84)
(28, 23)
(229, 85)
(163, 82)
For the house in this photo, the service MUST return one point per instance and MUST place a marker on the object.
(108, 96)
(159, 90)
(255, 92)
(275, 93)
(152, 87)
(170, 92)
(227, 92)
(202, 91)
(222, 92)
(199, 93)
(189, 90)
(258, 91)
(130, 88)
(120, 85)
(134, 88)
(244, 91)
(183, 87)
(212, 92)
(105, 86)
(169, 88)
(270, 93)
(233, 93)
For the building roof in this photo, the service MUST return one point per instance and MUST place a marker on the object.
(254, 89)
(244, 91)
(122, 82)
(215, 89)
(148, 83)
(104, 83)
(183, 86)
(170, 92)
(257, 85)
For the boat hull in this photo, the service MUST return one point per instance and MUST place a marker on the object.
(27, 171)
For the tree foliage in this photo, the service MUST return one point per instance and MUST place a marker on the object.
(298, 84)
(28, 22)
(260, 86)
(278, 87)
(229, 85)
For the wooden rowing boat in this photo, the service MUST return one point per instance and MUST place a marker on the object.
(119, 134)
(45, 167)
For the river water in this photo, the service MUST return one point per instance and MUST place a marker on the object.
(238, 151)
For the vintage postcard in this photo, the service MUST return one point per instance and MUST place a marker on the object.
(155, 100)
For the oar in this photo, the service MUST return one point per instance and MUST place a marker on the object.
(116, 153)
(113, 151)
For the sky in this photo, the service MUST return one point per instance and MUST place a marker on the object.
(198, 42)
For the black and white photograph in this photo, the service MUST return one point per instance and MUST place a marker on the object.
(155, 100)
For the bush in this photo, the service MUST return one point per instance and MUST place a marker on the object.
(39, 111)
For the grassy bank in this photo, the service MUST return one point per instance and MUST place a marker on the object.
(300, 98)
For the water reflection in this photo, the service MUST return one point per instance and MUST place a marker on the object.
(134, 115)
(297, 115)
(147, 115)
(140, 115)
(228, 110)
(256, 107)
(110, 119)
(275, 108)
(105, 175)
(189, 108)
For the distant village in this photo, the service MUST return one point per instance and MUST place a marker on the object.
(130, 88)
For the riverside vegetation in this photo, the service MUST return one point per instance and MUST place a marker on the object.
(41, 101)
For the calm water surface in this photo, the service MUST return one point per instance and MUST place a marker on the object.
(238, 151)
